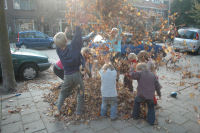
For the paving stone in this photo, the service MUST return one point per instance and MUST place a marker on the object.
(38, 98)
(177, 109)
(6, 110)
(120, 124)
(131, 129)
(164, 112)
(53, 126)
(107, 130)
(42, 104)
(66, 131)
(34, 126)
(78, 127)
(162, 120)
(27, 118)
(12, 118)
(192, 127)
(20, 132)
(87, 130)
(41, 131)
(174, 128)
(139, 123)
(24, 95)
(153, 129)
(178, 118)
(9, 103)
(100, 124)
(191, 116)
(26, 101)
(30, 109)
(12, 128)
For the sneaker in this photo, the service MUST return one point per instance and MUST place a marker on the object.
(57, 113)
(113, 119)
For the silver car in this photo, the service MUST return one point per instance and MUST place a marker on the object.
(187, 40)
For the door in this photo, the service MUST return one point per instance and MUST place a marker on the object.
(42, 40)
(29, 40)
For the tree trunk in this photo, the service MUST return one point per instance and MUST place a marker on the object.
(9, 83)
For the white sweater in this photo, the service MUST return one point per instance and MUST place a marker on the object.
(108, 83)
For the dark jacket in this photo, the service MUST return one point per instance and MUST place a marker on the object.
(70, 56)
(147, 84)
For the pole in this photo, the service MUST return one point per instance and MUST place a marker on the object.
(169, 10)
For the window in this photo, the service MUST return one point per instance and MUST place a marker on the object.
(186, 34)
(30, 35)
(5, 4)
(24, 24)
(39, 35)
(24, 4)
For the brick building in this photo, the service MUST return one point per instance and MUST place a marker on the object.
(47, 16)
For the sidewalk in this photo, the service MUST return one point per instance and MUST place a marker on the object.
(28, 113)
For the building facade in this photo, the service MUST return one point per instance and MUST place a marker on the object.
(47, 16)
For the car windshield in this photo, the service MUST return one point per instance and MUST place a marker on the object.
(186, 34)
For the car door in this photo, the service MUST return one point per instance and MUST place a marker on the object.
(29, 40)
(42, 40)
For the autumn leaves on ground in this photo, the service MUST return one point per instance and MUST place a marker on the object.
(103, 16)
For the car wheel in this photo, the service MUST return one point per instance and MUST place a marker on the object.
(23, 46)
(28, 71)
(53, 46)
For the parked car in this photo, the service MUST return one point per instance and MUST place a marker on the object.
(27, 63)
(34, 39)
(127, 45)
(187, 40)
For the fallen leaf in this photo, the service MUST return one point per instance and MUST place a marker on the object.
(192, 95)
(195, 108)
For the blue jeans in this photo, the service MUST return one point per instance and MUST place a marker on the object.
(151, 111)
(112, 101)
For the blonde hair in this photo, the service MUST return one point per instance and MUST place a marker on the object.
(60, 40)
(85, 50)
(132, 56)
(141, 67)
(143, 55)
(108, 66)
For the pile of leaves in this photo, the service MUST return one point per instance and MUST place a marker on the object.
(92, 102)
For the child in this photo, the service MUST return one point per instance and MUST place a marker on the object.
(147, 85)
(132, 58)
(71, 61)
(108, 90)
(86, 52)
(143, 57)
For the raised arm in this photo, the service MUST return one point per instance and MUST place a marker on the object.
(77, 42)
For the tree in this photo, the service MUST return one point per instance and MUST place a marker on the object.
(196, 12)
(183, 9)
(9, 83)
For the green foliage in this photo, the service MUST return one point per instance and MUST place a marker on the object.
(195, 13)
(183, 8)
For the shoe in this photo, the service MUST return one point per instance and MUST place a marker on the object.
(57, 113)
(113, 119)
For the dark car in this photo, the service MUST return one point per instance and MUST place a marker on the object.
(27, 63)
(34, 39)
(127, 46)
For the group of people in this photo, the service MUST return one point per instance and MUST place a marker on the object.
(73, 56)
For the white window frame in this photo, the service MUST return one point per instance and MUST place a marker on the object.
(5, 5)
(20, 7)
